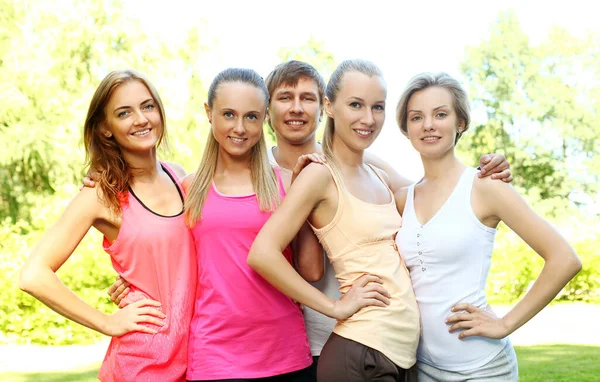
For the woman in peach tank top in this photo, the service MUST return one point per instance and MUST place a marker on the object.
(353, 212)
(138, 207)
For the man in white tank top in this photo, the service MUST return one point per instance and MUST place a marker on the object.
(295, 110)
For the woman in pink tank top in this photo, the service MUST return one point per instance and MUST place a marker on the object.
(243, 328)
(138, 208)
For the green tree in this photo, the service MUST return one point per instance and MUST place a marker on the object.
(541, 104)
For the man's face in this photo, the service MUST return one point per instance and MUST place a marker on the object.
(295, 111)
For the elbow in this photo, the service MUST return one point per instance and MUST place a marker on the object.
(28, 279)
(313, 276)
(575, 264)
(254, 259)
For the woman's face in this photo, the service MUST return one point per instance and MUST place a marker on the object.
(432, 123)
(358, 110)
(132, 118)
(237, 116)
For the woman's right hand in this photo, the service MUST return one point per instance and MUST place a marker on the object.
(130, 318)
(118, 291)
(366, 291)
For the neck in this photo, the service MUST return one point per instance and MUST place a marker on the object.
(227, 164)
(346, 156)
(441, 167)
(286, 154)
(144, 166)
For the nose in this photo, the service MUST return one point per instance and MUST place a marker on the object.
(368, 118)
(428, 123)
(296, 106)
(140, 118)
(238, 127)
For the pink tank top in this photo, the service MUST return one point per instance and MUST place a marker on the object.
(242, 327)
(156, 255)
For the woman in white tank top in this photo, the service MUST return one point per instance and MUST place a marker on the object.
(447, 235)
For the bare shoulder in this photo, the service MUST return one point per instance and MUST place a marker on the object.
(177, 169)
(384, 175)
(186, 182)
(491, 188)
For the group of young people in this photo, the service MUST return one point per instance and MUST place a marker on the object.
(302, 261)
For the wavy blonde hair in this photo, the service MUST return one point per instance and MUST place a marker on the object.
(103, 154)
(264, 179)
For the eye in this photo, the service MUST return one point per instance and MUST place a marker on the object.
(149, 106)
(379, 107)
(123, 114)
(228, 114)
(441, 114)
(416, 118)
(355, 105)
(311, 99)
(284, 98)
(252, 117)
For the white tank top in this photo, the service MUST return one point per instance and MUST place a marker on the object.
(449, 258)
(318, 326)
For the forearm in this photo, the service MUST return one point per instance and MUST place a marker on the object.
(45, 286)
(273, 267)
(554, 276)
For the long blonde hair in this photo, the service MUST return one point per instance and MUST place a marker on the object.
(333, 88)
(103, 154)
(264, 180)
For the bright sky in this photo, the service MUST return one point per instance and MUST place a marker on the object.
(402, 38)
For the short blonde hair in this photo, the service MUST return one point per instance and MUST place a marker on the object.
(443, 80)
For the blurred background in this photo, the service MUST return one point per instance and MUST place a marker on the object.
(532, 69)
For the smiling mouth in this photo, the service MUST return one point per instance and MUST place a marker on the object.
(426, 139)
(364, 133)
(295, 123)
(238, 140)
(141, 133)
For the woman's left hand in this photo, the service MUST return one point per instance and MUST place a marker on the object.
(305, 160)
(476, 322)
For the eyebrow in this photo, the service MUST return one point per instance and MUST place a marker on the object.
(362, 100)
(129, 107)
(437, 108)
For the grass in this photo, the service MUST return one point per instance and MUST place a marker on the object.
(88, 374)
(556, 363)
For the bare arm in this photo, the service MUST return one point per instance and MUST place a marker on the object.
(307, 192)
(177, 169)
(500, 201)
(38, 276)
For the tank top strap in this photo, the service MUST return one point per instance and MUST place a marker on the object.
(465, 186)
(174, 178)
(409, 205)
(382, 180)
(339, 184)
(277, 170)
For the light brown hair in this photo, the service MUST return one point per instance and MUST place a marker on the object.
(443, 80)
(103, 154)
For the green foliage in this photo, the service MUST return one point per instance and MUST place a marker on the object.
(541, 109)
(515, 266)
(88, 273)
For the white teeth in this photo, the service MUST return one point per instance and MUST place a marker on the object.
(142, 132)
(295, 123)
(431, 138)
(363, 132)
(237, 140)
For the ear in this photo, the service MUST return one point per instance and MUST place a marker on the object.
(208, 112)
(321, 111)
(328, 107)
(104, 131)
(461, 127)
